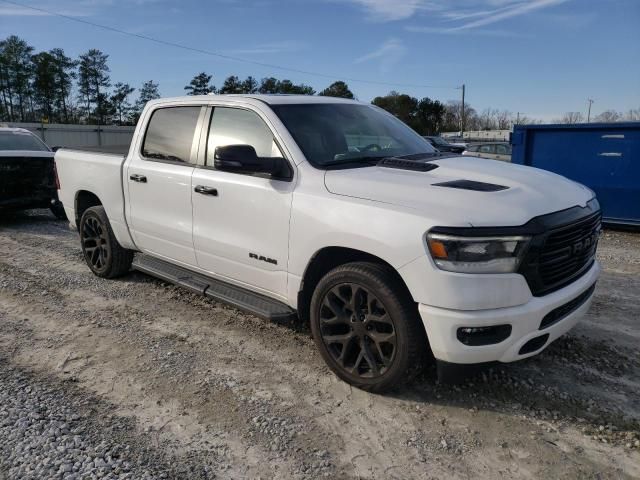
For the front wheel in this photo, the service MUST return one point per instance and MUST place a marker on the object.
(104, 255)
(367, 327)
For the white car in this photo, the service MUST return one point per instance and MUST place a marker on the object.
(337, 212)
(492, 150)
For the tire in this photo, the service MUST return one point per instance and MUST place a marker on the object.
(367, 327)
(58, 211)
(102, 252)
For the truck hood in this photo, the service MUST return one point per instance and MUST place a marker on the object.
(529, 192)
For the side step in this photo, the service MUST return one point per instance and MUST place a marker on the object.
(217, 290)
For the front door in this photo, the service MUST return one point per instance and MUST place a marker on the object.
(241, 221)
(158, 177)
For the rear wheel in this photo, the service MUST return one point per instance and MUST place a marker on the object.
(366, 326)
(102, 252)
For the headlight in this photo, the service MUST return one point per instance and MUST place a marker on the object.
(477, 255)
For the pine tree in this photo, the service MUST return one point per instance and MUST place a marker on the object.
(200, 85)
(93, 82)
(120, 100)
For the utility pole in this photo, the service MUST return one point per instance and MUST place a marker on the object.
(462, 123)
(590, 100)
(518, 118)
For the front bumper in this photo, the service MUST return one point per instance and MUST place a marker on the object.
(442, 324)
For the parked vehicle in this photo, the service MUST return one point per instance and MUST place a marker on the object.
(442, 145)
(493, 150)
(335, 211)
(603, 156)
(27, 173)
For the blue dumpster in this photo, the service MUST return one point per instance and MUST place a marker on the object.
(603, 156)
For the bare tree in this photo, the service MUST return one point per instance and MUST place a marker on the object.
(571, 118)
(524, 120)
(488, 119)
(609, 116)
(633, 115)
(504, 119)
(453, 111)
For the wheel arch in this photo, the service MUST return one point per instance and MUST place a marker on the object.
(84, 199)
(325, 260)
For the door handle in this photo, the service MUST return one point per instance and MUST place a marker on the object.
(138, 178)
(206, 190)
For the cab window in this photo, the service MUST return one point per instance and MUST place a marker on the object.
(169, 135)
(234, 126)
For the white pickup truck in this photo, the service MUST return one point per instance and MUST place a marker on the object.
(337, 212)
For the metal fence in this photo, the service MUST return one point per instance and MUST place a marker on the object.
(63, 135)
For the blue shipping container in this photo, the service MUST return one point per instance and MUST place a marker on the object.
(603, 156)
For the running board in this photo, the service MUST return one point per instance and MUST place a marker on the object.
(217, 290)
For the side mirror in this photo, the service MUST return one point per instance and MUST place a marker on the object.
(244, 159)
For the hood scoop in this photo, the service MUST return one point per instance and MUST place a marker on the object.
(407, 164)
(472, 185)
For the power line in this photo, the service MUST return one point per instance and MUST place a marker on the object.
(215, 54)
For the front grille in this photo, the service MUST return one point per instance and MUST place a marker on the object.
(568, 251)
(562, 249)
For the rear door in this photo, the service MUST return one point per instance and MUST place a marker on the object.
(241, 228)
(158, 176)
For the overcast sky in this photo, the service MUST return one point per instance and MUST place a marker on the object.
(539, 57)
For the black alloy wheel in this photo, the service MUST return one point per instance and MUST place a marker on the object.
(102, 252)
(367, 327)
(95, 244)
(357, 330)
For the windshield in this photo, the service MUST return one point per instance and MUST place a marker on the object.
(334, 133)
(21, 141)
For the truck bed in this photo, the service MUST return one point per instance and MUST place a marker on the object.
(97, 172)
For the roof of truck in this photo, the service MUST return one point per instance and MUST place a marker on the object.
(277, 99)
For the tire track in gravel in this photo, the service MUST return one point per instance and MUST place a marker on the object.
(191, 371)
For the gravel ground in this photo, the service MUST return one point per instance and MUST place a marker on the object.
(134, 378)
(53, 430)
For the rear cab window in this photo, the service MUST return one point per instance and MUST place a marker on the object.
(170, 133)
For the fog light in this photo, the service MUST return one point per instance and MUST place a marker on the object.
(478, 336)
